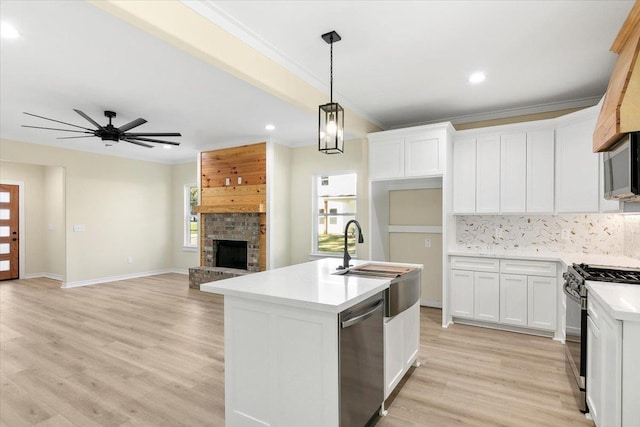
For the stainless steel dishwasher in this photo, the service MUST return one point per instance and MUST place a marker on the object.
(361, 361)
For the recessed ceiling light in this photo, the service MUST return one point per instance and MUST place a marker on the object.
(478, 77)
(269, 127)
(8, 31)
(167, 147)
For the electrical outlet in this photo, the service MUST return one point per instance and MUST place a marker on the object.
(565, 234)
(227, 181)
(427, 243)
(498, 234)
(239, 180)
(130, 260)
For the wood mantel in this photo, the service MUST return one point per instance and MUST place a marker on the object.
(237, 208)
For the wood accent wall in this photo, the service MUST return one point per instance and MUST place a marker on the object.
(247, 163)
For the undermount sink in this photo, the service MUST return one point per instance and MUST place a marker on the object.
(375, 270)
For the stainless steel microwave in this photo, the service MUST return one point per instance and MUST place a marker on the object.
(622, 169)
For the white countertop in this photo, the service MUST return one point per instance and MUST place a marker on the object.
(622, 301)
(309, 285)
(566, 258)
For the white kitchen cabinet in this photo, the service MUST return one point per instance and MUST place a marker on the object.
(464, 176)
(604, 367)
(402, 340)
(386, 158)
(515, 292)
(486, 296)
(513, 299)
(408, 153)
(577, 173)
(540, 174)
(487, 174)
(462, 293)
(513, 173)
(422, 156)
(541, 296)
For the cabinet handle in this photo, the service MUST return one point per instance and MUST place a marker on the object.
(363, 316)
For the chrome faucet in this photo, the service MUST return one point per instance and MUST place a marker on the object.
(347, 257)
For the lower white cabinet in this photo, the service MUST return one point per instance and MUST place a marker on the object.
(401, 343)
(604, 367)
(521, 293)
(513, 299)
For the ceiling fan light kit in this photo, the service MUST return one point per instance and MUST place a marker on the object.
(331, 115)
(109, 133)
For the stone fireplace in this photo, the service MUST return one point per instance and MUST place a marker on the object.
(234, 231)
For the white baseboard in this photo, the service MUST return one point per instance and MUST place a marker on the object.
(434, 304)
(51, 276)
(89, 282)
(179, 271)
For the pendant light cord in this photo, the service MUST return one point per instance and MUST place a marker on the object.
(331, 72)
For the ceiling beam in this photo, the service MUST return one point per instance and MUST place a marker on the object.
(182, 27)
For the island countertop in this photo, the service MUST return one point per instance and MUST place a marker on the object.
(621, 300)
(311, 285)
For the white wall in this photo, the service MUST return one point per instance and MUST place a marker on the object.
(307, 162)
(54, 212)
(181, 258)
(124, 205)
(279, 215)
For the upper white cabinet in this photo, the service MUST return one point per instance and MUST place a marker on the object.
(513, 170)
(487, 175)
(577, 174)
(408, 153)
(540, 179)
(535, 167)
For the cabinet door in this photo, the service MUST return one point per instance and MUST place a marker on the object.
(540, 175)
(576, 169)
(411, 334)
(486, 297)
(611, 372)
(422, 156)
(464, 176)
(488, 174)
(513, 173)
(393, 353)
(513, 299)
(594, 371)
(386, 159)
(541, 302)
(462, 293)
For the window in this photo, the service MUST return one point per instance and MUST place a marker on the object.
(334, 205)
(190, 217)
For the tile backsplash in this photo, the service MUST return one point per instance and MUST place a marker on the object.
(593, 233)
(632, 236)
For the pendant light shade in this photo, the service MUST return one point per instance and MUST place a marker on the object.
(331, 115)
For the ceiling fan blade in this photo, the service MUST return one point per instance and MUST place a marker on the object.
(155, 134)
(57, 121)
(73, 137)
(138, 143)
(153, 140)
(89, 119)
(131, 125)
(64, 130)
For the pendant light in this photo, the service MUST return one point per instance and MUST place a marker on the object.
(331, 115)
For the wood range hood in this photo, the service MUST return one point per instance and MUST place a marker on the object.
(620, 112)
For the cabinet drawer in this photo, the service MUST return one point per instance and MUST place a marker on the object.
(534, 268)
(593, 309)
(475, 264)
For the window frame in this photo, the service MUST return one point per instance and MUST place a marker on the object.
(315, 213)
(186, 231)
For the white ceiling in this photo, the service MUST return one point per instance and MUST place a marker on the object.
(399, 63)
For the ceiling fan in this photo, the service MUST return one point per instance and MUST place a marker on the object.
(109, 133)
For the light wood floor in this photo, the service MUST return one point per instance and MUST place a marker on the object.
(149, 352)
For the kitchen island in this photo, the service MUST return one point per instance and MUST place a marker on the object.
(282, 342)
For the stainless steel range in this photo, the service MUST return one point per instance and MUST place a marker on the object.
(575, 288)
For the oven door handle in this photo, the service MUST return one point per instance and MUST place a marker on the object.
(570, 295)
